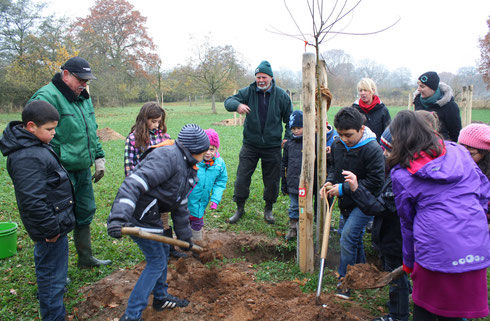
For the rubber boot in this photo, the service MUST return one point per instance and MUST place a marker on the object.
(268, 213)
(173, 252)
(83, 245)
(293, 229)
(240, 210)
(196, 235)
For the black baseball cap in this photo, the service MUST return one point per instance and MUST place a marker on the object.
(79, 67)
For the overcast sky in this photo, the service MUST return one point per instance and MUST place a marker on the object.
(439, 35)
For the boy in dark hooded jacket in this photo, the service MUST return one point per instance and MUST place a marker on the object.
(44, 197)
(356, 150)
(160, 183)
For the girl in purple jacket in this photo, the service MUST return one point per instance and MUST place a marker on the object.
(441, 197)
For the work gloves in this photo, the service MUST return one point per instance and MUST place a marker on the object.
(99, 169)
(190, 245)
(114, 230)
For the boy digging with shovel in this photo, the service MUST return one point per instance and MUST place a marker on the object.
(163, 179)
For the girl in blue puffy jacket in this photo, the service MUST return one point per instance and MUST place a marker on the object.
(212, 177)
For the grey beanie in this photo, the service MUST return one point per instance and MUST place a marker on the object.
(194, 138)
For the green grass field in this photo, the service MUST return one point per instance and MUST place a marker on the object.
(17, 289)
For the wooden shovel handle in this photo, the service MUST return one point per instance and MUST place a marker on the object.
(326, 227)
(135, 231)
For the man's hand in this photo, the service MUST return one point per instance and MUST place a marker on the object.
(243, 109)
(53, 239)
(99, 169)
(190, 245)
(351, 178)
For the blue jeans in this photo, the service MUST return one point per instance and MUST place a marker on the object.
(51, 260)
(399, 304)
(351, 243)
(293, 206)
(152, 279)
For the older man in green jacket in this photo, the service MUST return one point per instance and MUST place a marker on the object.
(267, 107)
(77, 146)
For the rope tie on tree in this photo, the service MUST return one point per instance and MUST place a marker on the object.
(326, 94)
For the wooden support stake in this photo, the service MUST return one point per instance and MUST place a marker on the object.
(306, 255)
(464, 106)
(321, 152)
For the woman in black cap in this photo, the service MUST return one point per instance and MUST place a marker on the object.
(435, 96)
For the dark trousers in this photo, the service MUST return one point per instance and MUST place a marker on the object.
(399, 289)
(51, 261)
(271, 172)
(421, 314)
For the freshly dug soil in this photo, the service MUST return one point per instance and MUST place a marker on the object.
(108, 134)
(362, 276)
(221, 292)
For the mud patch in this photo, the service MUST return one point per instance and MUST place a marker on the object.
(225, 291)
(362, 276)
(108, 134)
(231, 122)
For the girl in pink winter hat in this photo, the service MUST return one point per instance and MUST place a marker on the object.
(476, 138)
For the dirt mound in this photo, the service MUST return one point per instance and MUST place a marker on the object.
(363, 276)
(221, 292)
(108, 134)
(231, 122)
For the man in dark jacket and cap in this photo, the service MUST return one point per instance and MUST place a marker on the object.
(267, 107)
(77, 145)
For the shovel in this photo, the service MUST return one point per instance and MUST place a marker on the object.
(138, 232)
(326, 234)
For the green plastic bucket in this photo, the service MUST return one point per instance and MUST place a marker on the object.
(8, 239)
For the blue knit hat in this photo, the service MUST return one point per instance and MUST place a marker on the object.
(264, 67)
(386, 139)
(194, 138)
(296, 119)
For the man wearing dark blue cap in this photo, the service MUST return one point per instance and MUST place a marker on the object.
(77, 145)
(266, 107)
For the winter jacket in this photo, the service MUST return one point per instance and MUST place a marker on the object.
(42, 187)
(386, 232)
(442, 210)
(447, 110)
(365, 160)
(378, 118)
(280, 108)
(292, 157)
(160, 183)
(76, 142)
(209, 188)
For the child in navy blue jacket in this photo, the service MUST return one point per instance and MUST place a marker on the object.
(44, 197)
(160, 183)
(291, 170)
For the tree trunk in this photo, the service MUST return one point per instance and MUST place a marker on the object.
(213, 104)
(321, 150)
(306, 253)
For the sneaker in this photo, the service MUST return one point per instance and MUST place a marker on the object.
(169, 302)
(126, 318)
(386, 318)
(343, 293)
